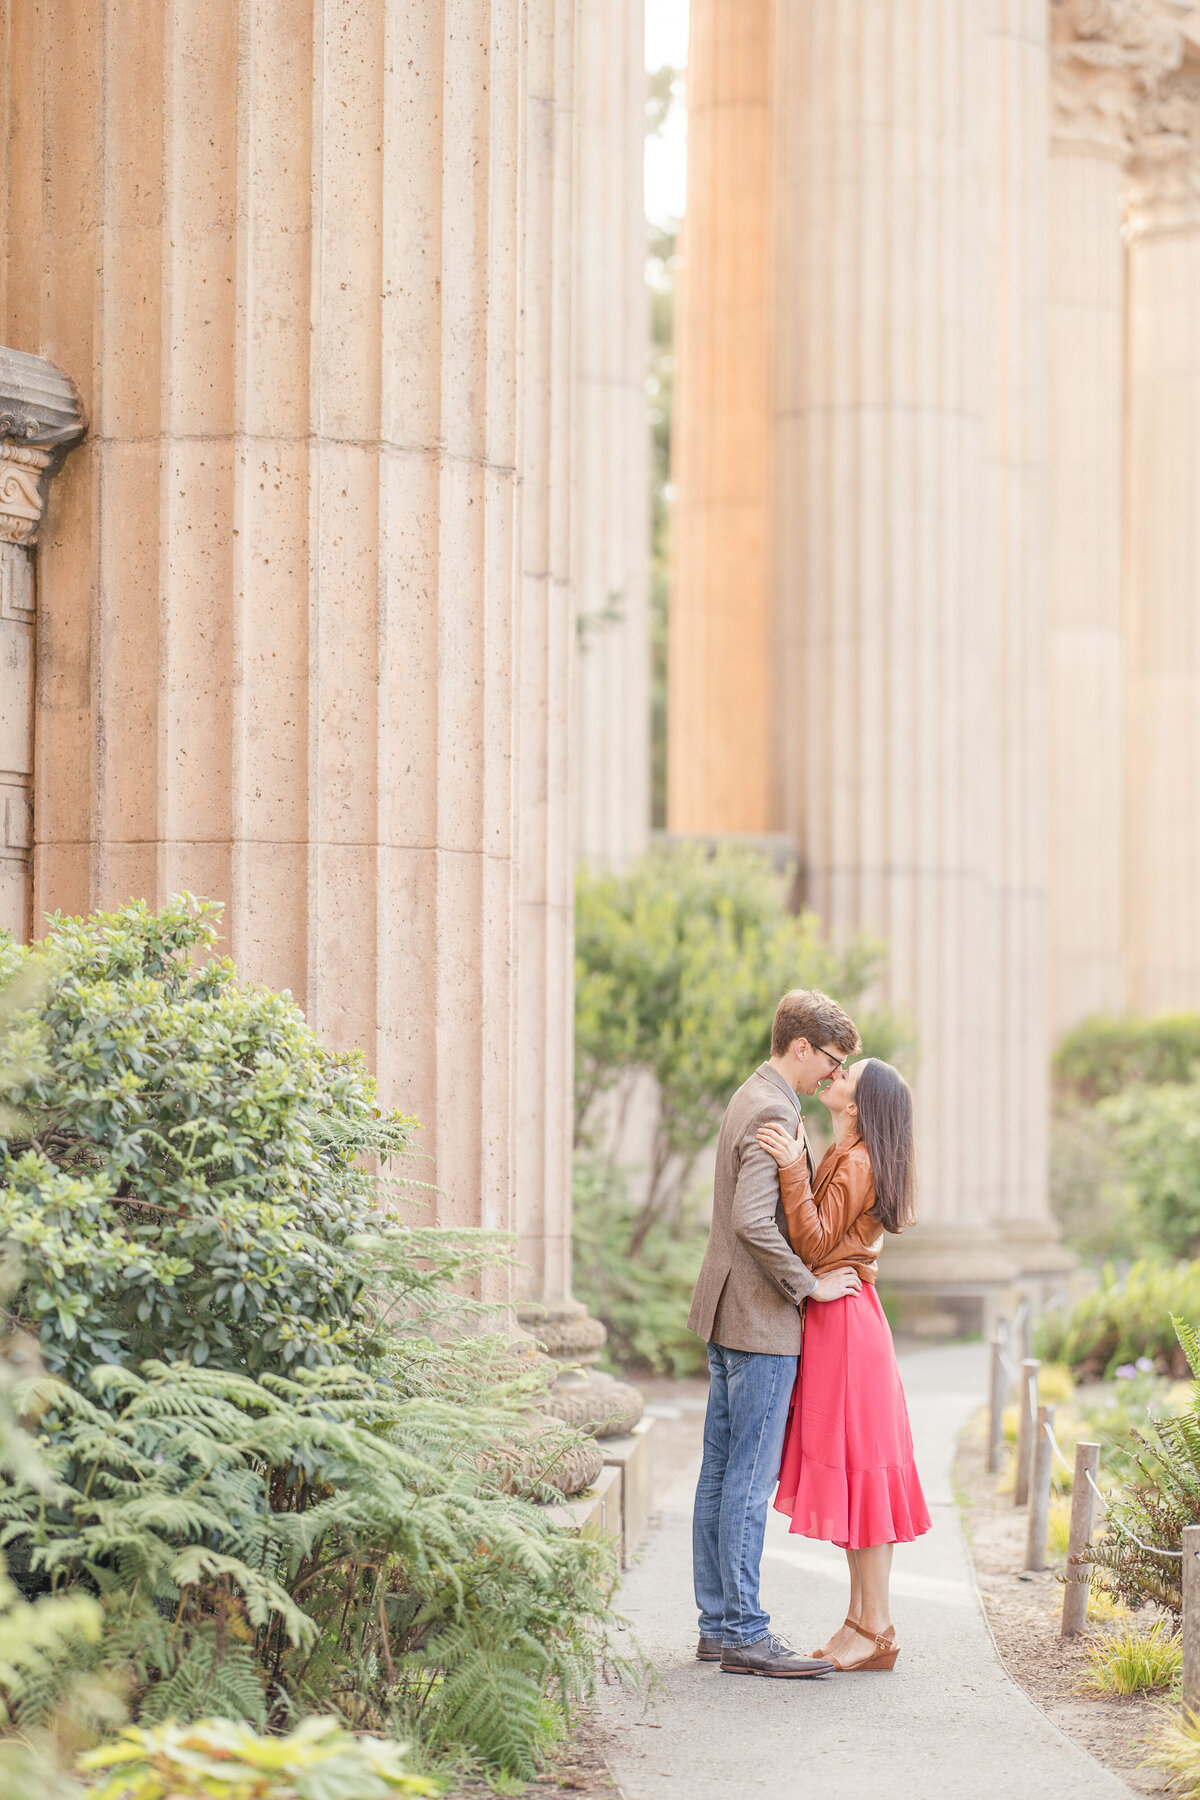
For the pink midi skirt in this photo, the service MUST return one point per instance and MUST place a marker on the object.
(847, 1473)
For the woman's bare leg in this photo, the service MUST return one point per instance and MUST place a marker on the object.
(840, 1644)
(870, 1575)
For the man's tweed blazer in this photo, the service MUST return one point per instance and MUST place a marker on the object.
(751, 1281)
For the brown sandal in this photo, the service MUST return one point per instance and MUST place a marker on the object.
(824, 1651)
(886, 1651)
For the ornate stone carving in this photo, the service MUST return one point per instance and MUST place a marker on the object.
(1164, 176)
(40, 418)
(21, 472)
(594, 1403)
(1106, 55)
(566, 1332)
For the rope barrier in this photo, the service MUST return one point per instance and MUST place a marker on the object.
(1124, 1531)
(1049, 1430)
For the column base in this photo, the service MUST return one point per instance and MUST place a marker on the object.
(584, 1397)
(955, 1280)
(564, 1328)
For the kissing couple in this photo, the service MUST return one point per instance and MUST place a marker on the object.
(805, 1394)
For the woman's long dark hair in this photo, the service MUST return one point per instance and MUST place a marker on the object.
(885, 1120)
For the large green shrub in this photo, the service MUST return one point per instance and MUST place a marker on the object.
(285, 1489)
(1125, 1136)
(1105, 1055)
(679, 964)
(183, 1158)
(1155, 1134)
(1125, 1318)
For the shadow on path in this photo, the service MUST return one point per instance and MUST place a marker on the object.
(948, 1724)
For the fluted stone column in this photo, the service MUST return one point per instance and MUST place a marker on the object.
(1092, 102)
(1009, 1101)
(1163, 748)
(718, 717)
(610, 439)
(285, 657)
(545, 961)
(908, 561)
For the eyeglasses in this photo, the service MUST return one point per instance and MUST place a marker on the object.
(839, 1062)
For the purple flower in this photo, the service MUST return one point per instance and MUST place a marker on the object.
(1126, 1372)
(1145, 1364)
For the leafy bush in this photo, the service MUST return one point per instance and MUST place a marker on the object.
(184, 1157)
(1133, 1661)
(1089, 1194)
(679, 964)
(1105, 1056)
(1125, 1136)
(283, 1485)
(1156, 1137)
(1125, 1319)
(643, 1300)
(215, 1759)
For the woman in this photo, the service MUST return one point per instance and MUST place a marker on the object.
(847, 1473)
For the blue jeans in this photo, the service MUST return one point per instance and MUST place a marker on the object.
(743, 1442)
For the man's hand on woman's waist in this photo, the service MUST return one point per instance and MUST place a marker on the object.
(836, 1285)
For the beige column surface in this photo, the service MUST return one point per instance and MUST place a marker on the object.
(879, 452)
(545, 964)
(1008, 1100)
(1090, 120)
(1104, 60)
(286, 660)
(610, 439)
(718, 718)
(1162, 862)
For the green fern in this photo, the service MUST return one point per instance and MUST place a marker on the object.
(1145, 1525)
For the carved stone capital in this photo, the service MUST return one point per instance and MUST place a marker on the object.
(21, 472)
(40, 418)
(1164, 171)
(1105, 56)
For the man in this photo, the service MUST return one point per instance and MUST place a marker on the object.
(747, 1307)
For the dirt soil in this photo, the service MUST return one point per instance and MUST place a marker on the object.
(1024, 1611)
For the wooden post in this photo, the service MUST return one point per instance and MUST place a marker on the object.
(1083, 1519)
(1039, 1491)
(1023, 1331)
(1026, 1420)
(1191, 1619)
(997, 1396)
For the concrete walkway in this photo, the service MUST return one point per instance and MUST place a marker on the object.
(948, 1724)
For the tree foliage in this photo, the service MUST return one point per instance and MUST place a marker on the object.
(679, 964)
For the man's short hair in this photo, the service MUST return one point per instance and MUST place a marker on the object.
(808, 1013)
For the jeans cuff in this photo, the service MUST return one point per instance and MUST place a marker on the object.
(745, 1643)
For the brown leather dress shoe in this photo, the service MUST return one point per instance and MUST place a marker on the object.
(708, 1650)
(773, 1656)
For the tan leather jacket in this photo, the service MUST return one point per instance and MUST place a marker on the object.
(828, 1219)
